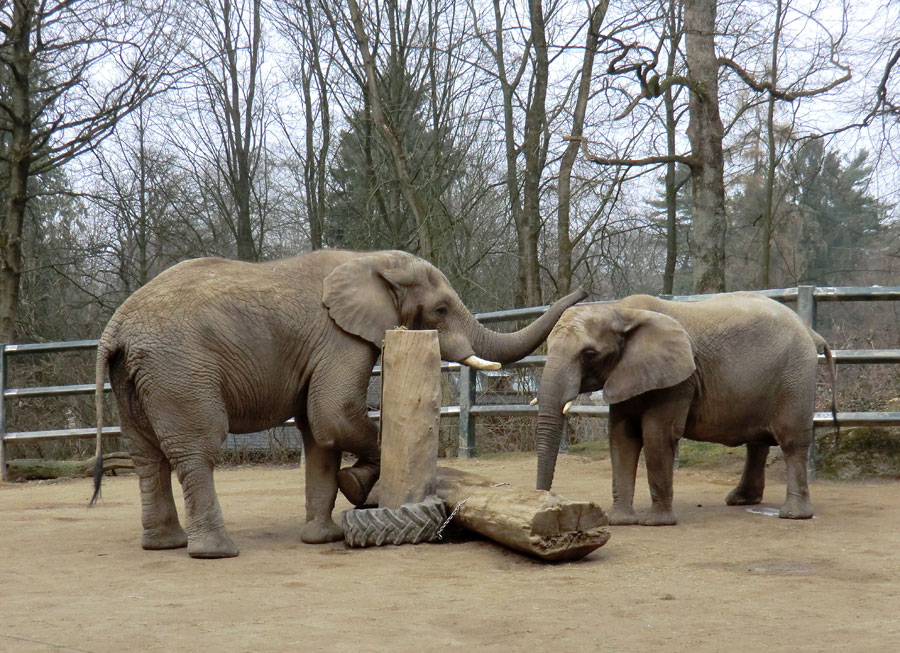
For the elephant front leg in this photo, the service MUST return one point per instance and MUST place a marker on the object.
(749, 490)
(321, 491)
(624, 450)
(338, 417)
(661, 428)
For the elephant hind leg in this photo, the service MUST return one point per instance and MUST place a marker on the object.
(794, 439)
(159, 518)
(797, 504)
(190, 438)
(749, 491)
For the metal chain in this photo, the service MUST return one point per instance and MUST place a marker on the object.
(459, 505)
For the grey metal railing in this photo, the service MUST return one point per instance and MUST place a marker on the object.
(807, 298)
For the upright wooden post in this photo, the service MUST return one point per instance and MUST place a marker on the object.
(410, 416)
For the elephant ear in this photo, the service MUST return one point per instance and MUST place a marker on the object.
(657, 354)
(362, 294)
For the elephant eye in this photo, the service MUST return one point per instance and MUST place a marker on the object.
(589, 354)
(441, 311)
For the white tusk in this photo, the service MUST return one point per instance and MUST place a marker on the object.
(567, 407)
(480, 363)
(533, 402)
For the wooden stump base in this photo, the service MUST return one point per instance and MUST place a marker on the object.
(534, 522)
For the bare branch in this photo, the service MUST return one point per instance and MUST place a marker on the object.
(787, 96)
(628, 161)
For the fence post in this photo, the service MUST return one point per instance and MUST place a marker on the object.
(806, 309)
(3, 475)
(466, 419)
(806, 305)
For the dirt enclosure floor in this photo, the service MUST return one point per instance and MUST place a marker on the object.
(724, 579)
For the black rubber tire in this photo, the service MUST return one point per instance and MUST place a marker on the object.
(411, 523)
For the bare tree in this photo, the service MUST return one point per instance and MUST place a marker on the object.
(301, 22)
(56, 105)
(674, 31)
(137, 196)
(399, 155)
(565, 241)
(530, 64)
(816, 70)
(706, 132)
(224, 120)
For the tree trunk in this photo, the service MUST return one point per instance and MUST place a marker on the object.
(768, 216)
(315, 168)
(705, 132)
(534, 522)
(535, 119)
(674, 33)
(19, 156)
(242, 132)
(564, 239)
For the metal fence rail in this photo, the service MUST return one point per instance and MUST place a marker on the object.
(468, 409)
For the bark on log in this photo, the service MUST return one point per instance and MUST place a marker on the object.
(33, 469)
(534, 522)
(410, 416)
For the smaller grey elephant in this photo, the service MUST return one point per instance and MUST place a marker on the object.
(736, 369)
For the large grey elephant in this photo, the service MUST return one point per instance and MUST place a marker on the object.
(737, 368)
(211, 346)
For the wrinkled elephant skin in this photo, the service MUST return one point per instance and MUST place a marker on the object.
(213, 346)
(737, 369)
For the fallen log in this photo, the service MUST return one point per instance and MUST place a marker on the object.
(534, 522)
(33, 469)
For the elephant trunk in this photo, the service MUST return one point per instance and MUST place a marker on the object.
(559, 383)
(510, 347)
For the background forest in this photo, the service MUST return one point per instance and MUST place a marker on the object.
(657, 146)
(522, 147)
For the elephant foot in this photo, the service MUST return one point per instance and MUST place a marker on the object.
(619, 516)
(160, 539)
(215, 545)
(658, 517)
(740, 496)
(355, 483)
(795, 508)
(321, 531)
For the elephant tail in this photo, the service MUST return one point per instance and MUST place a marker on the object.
(832, 374)
(104, 352)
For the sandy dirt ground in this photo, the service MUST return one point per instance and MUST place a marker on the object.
(723, 579)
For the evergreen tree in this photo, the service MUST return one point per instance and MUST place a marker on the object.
(365, 208)
(831, 197)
